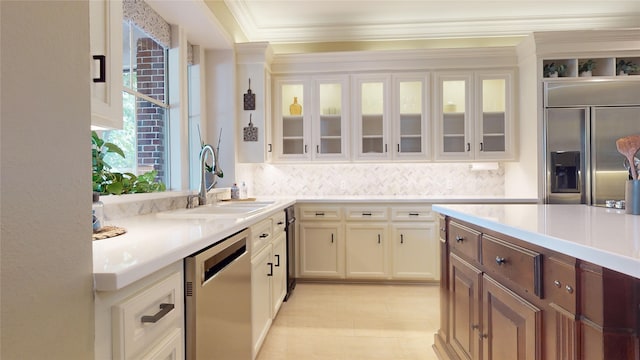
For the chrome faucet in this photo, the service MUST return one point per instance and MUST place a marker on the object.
(207, 149)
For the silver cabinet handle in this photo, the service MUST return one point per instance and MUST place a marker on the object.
(164, 310)
(569, 289)
(557, 283)
(500, 260)
(459, 238)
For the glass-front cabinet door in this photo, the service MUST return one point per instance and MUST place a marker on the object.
(410, 94)
(292, 118)
(371, 117)
(454, 117)
(475, 116)
(331, 94)
(494, 114)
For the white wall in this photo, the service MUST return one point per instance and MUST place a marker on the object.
(221, 114)
(45, 248)
(521, 177)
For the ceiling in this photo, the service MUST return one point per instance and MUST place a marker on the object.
(317, 21)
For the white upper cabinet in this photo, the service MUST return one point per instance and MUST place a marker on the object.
(371, 115)
(330, 118)
(292, 119)
(474, 118)
(106, 63)
(311, 118)
(410, 120)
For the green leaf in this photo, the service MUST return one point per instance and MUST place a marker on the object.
(113, 148)
(115, 188)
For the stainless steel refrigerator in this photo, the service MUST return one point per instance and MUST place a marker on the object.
(582, 122)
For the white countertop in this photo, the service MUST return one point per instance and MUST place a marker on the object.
(605, 237)
(152, 242)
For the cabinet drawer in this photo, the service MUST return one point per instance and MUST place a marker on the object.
(560, 283)
(320, 213)
(279, 223)
(464, 241)
(412, 213)
(520, 265)
(261, 235)
(365, 213)
(152, 314)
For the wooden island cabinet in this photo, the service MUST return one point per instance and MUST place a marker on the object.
(503, 298)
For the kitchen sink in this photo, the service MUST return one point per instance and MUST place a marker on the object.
(217, 210)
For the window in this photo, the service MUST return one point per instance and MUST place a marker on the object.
(144, 137)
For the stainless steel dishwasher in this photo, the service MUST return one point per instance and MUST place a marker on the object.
(218, 301)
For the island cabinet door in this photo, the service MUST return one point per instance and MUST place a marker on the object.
(464, 311)
(511, 325)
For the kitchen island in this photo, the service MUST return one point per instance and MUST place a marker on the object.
(538, 282)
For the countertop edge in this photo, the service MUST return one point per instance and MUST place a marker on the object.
(616, 262)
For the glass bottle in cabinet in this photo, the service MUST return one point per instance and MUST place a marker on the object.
(409, 116)
(372, 116)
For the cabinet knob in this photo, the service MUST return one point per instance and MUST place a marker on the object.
(475, 326)
(459, 238)
(557, 283)
(443, 229)
(500, 260)
(483, 336)
(569, 289)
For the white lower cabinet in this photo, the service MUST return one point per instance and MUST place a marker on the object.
(279, 278)
(321, 250)
(414, 251)
(260, 297)
(380, 242)
(367, 251)
(268, 276)
(144, 320)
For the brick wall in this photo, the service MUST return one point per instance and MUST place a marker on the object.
(151, 127)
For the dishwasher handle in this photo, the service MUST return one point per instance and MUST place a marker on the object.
(219, 261)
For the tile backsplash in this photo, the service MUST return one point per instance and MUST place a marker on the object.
(370, 179)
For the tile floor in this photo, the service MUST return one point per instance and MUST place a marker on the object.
(355, 321)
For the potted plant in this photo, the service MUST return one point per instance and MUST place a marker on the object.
(625, 67)
(106, 181)
(552, 70)
(586, 68)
